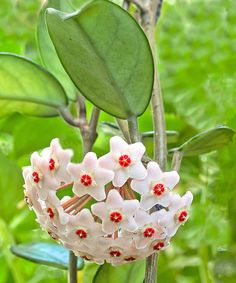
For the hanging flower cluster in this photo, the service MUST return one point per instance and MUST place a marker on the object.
(108, 217)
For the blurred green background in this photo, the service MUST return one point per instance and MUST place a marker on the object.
(196, 47)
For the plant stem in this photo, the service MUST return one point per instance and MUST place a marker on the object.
(176, 160)
(123, 125)
(148, 12)
(72, 268)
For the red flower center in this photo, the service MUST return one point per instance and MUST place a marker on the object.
(183, 216)
(116, 217)
(81, 233)
(131, 258)
(51, 164)
(50, 212)
(158, 189)
(36, 178)
(158, 246)
(124, 161)
(115, 253)
(148, 232)
(86, 180)
(85, 257)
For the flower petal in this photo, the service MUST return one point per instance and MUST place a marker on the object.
(130, 207)
(118, 145)
(137, 171)
(141, 187)
(170, 179)
(114, 199)
(100, 210)
(147, 201)
(90, 162)
(121, 176)
(103, 176)
(154, 171)
(137, 150)
(107, 161)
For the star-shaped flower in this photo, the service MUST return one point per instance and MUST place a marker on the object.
(116, 213)
(89, 177)
(151, 227)
(178, 212)
(38, 176)
(82, 229)
(58, 159)
(155, 188)
(124, 160)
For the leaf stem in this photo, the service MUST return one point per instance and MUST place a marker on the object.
(133, 129)
(123, 125)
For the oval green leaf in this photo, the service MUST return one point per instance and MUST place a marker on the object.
(27, 88)
(47, 51)
(127, 273)
(107, 56)
(206, 141)
(46, 254)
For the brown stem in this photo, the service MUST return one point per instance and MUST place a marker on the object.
(67, 203)
(83, 203)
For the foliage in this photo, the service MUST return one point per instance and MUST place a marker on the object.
(196, 47)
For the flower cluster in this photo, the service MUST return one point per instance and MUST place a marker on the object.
(107, 217)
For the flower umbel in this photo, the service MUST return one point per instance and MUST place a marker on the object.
(116, 227)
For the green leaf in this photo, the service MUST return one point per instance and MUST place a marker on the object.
(107, 56)
(128, 273)
(47, 51)
(45, 253)
(206, 141)
(27, 88)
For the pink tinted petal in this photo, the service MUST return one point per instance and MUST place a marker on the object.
(121, 176)
(42, 193)
(79, 190)
(138, 171)
(141, 187)
(164, 200)
(114, 199)
(129, 224)
(90, 162)
(170, 179)
(158, 215)
(103, 176)
(142, 217)
(118, 145)
(154, 171)
(130, 207)
(100, 210)
(141, 242)
(187, 198)
(34, 159)
(107, 161)
(109, 227)
(147, 201)
(85, 218)
(97, 193)
(172, 229)
(137, 150)
(176, 202)
(74, 170)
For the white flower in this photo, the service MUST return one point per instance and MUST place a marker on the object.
(151, 227)
(38, 177)
(82, 229)
(116, 213)
(58, 159)
(155, 188)
(89, 178)
(178, 212)
(124, 160)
